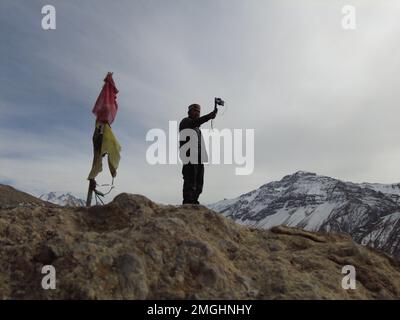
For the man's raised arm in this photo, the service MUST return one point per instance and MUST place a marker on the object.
(193, 123)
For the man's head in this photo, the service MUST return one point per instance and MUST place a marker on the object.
(194, 111)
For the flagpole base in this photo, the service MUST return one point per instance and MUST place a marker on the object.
(92, 187)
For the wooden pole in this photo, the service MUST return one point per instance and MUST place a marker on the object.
(97, 142)
(92, 186)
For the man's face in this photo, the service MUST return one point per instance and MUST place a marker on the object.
(194, 113)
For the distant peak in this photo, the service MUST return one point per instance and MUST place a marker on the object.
(299, 174)
(304, 173)
(62, 198)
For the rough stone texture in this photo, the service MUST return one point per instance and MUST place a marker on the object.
(133, 248)
(10, 197)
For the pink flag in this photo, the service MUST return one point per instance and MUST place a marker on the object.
(106, 106)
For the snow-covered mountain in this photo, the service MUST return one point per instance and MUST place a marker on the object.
(62, 199)
(369, 212)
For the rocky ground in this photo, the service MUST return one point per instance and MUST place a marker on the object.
(10, 198)
(133, 248)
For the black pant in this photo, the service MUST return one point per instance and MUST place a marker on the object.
(193, 178)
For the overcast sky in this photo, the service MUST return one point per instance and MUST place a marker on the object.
(320, 98)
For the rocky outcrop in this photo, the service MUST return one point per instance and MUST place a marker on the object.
(133, 248)
(10, 197)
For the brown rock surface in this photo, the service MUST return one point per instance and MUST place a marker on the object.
(133, 248)
(10, 197)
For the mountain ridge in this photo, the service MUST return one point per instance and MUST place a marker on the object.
(62, 198)
(370, 213)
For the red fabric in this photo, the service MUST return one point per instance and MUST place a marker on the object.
(106, 106)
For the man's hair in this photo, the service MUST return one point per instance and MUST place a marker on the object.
(194, 105)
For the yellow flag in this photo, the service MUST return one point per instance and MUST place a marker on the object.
(109, 145)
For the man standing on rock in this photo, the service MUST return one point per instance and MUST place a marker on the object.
(193, 152)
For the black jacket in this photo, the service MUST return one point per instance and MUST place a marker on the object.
(189, 123)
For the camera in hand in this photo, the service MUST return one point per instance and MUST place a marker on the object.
(219, 102)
